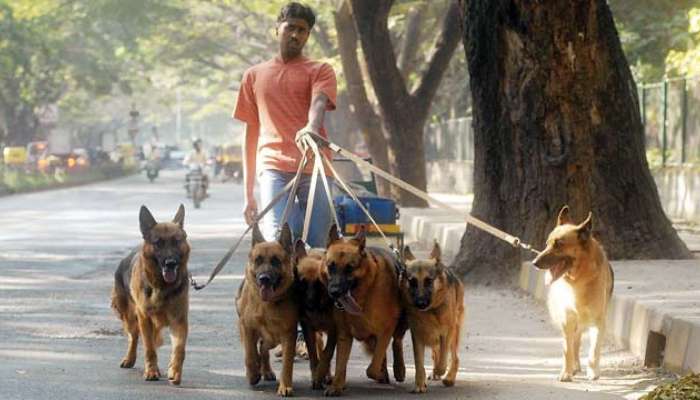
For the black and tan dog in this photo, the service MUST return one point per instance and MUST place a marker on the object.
(315, 312)
(365, 283)
(267, 309)
(434, 300)
(581, 286)
(151, 292)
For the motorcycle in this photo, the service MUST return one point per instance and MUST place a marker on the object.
(196, 186)
(152, 169)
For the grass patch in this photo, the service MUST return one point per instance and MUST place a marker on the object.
(17, 181)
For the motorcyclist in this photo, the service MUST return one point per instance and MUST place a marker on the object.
(197, 158)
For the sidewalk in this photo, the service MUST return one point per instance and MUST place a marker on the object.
(655, 310)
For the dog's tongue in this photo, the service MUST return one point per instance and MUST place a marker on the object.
(557, 271)
(169, 275)
(350, 305)
(266, 292)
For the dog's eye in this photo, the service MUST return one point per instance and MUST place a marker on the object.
(259, 260)
(348, 269)
(413, 282)
(331, 268)
(157, 242)
(428, 282)
(275, 262)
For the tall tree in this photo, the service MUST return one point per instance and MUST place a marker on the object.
(403, 112)
(556, 121)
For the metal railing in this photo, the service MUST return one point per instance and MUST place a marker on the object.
(451, 140)
(670, 112)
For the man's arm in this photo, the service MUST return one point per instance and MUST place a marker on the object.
(317, 111)
(250, 153)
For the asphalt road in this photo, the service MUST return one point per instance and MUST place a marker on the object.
(60, 340)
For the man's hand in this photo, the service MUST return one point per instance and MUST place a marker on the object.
(304, 130)
(250, 211)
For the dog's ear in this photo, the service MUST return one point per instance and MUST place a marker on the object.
(361, 237)
(584, 230)
(407, 254)
(180, 216)
(564, 217)
(299, 249)
(146, 221)
(436, 253)
(333, 234)
(286, 239)
(257, 235)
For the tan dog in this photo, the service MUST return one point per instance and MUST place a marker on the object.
(151, 292)
(581, 286)
(267, 311)
(315, 312)
(365, 283)
(434, 300)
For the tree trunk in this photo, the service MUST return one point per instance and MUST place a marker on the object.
(556, 121)
(403, 113)
(370, 124)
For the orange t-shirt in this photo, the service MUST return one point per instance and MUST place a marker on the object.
(277, 96)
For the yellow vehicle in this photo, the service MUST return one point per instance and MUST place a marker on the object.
(232, 163)
(14, 156)
(126, 154)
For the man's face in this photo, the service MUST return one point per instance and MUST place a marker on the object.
(292, 35)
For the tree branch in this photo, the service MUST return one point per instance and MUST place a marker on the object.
(440, 59)
(411, 40)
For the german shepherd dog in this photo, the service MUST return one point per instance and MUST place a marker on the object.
(151, 292)
(364, 282)
(581, 281)
(267, 309)
(315, 312)
(434, 300)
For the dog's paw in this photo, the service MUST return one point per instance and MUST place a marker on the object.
(448, 382)
(127, 363)
(381, 376)
(436, 375)
(151, 374)
(317, 385)
(269, 376)
(284, 391)
(592, 373)
(174, 377)
(253, 379)
(333, 391)
(420, 388)
(565, 376)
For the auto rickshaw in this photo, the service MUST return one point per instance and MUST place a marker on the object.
(232, 163)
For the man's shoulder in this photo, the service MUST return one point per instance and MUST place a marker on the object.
(264, 65)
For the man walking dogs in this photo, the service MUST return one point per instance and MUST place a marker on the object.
(278, 100)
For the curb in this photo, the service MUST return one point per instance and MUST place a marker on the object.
(649, 333)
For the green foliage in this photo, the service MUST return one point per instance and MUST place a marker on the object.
(686, 388)
(653, 30)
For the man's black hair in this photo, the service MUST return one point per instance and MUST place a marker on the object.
(297, 10)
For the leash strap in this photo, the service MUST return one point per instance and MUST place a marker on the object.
(320, 160)
(293, 192)
(513, 240)
(310, 202)
(233, 249)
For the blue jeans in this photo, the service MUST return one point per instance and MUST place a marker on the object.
(272, 182)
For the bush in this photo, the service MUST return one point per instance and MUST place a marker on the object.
(17, 181)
